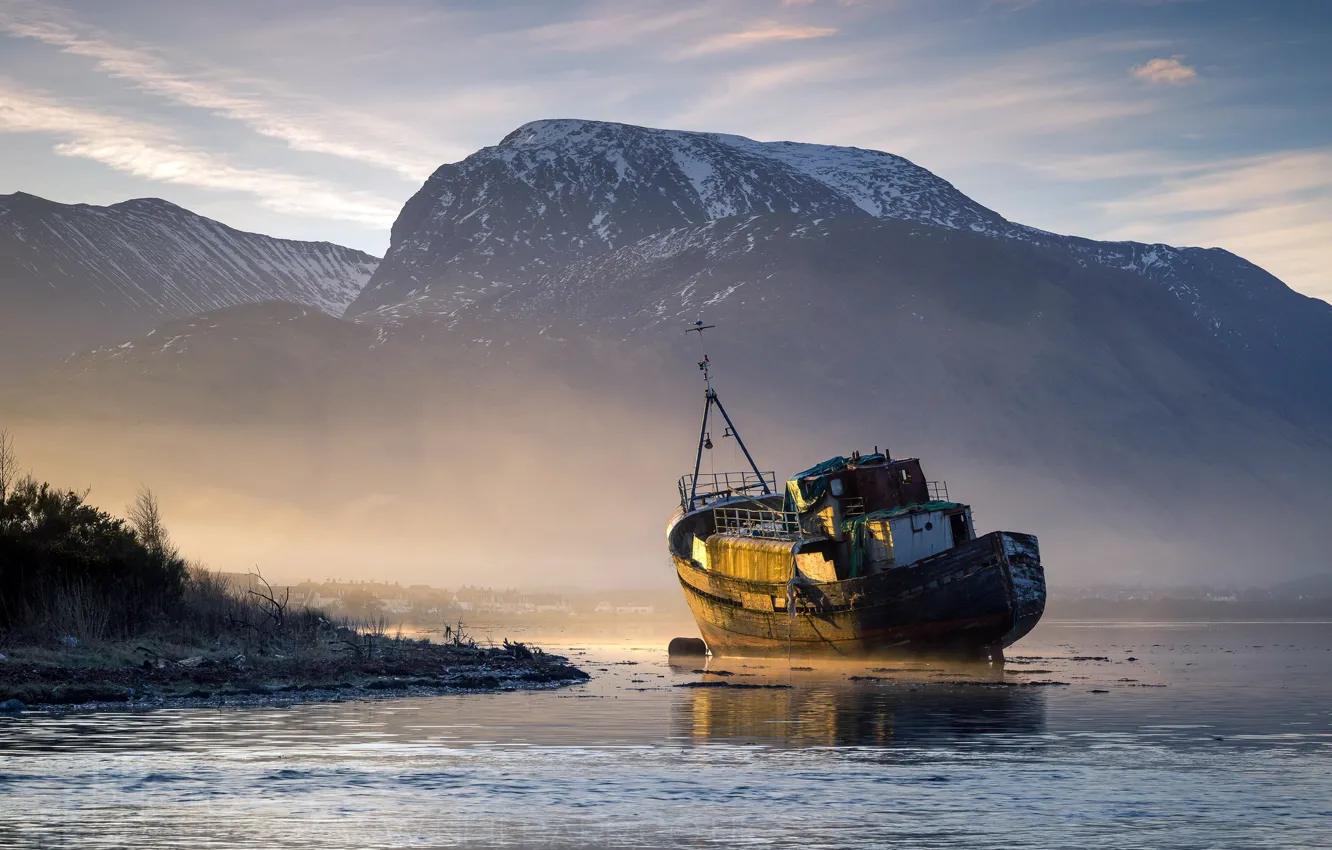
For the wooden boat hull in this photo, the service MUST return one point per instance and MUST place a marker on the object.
(970, 599)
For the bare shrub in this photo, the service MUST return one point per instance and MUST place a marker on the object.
(145, 517)
(257, 618)
(77, 609)
(207, 601)
(267, 599)
(457, 635)
(9, 473)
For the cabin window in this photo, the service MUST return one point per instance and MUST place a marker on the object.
(961, 534)
(906, 476)
(835, 486)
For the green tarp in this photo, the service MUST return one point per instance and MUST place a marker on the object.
(802, 494)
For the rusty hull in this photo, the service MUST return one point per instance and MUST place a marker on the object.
(983, 594)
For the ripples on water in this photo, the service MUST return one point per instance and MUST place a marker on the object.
(1234, 751)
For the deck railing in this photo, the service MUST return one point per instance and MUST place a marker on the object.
(715, 485)
(760, 522)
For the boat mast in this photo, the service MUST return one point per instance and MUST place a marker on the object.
(711, 398)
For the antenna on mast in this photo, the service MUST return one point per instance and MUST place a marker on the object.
(710, 398)
(703, 364)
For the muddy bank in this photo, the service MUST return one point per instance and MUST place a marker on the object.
(115, 678)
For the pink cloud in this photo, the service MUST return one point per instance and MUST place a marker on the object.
(1162, 71)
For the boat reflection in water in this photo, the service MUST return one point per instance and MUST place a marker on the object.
(825, 707)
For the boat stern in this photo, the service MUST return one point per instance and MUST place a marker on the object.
(1022, 554)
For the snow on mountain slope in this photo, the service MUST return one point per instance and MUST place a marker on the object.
(509, 220)
(558, 190)
(881, 184)
(732, 175)
(153, 258)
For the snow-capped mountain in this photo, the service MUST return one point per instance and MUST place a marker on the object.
(167, 261)
(559, 190)
(75, 275)
(554, 191)
(514, 223)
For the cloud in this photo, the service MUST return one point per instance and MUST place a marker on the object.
(1165, 72)
(150, 153)
(1119, 165)
(611, 28)
(901, 97)
(763, 33)
(778, 32)
(265, 116)
(1273, 209)
(1221, 186)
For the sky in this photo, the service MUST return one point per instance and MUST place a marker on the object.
(1191, 122)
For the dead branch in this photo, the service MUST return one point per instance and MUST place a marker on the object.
(276, 611)
(8, 464)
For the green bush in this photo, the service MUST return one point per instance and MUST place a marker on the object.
(68, 567)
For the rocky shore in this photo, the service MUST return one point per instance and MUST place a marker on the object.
(140, 677)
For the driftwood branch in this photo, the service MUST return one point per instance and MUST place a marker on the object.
(275, 609)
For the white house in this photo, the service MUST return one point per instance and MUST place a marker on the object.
(633, 609)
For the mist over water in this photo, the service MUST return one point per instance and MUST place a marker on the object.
(562, 473)
(1213, 735)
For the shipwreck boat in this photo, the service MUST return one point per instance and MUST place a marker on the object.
(856, 556)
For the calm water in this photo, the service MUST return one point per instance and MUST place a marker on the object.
(1235, 750)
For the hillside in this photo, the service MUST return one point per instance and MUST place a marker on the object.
(74, 276)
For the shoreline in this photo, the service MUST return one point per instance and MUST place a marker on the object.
(278, 698)
(413, 669)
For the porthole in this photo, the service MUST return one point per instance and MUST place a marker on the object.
(929, 526)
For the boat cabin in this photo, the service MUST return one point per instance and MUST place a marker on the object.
(882, 510)
(845, 518)
(864, 484)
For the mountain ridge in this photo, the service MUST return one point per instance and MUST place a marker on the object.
(77, 275)
(339, 285)
(556, 192)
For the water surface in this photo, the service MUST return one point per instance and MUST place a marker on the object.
(1215, 736)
